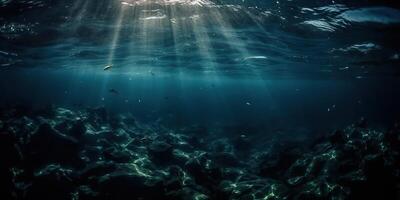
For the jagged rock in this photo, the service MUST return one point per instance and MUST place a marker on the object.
(393, 138)
(115, 122)
(196, 142)
(187, 194)
(128, 121)
(176, 140)
(221, 145)
(274, 165)
(91, 153)
(320, 189)
(103, 157)
(65, 114)
(64, 126)
(204, 171)
(20, 127)
(121, 185)
(234, 173)
(177, 173)
(96, 169)
(172, 184)
(180, 157)
(10, 153)
(98, 114)
(160, 151)
(6, 182)
(337, 137)
(298, 171)
(51, 182)
(225, 159)
(255, 189)
(117, 155)
(48, 145)
(380, 182)
(117, 136)
(77, 130)
(84, 192)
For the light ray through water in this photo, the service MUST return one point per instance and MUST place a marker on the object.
(147, 27)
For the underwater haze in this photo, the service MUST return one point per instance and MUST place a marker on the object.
(199, 99)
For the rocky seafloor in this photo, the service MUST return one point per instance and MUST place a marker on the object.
(84, 154)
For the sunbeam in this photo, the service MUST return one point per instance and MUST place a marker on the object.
(156, 32)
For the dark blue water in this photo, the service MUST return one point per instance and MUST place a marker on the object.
(230, 62)
(209, 100)
(206, 78)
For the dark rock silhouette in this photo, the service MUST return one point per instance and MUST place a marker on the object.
(91, 154)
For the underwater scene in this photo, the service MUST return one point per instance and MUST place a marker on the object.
(199, 99)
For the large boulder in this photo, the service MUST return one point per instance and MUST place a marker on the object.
(160, 152)
(48, 145)
(204, 171)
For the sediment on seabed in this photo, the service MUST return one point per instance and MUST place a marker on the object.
(57, 153)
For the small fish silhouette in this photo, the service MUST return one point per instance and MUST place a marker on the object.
(114, 91)
(107, 67)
